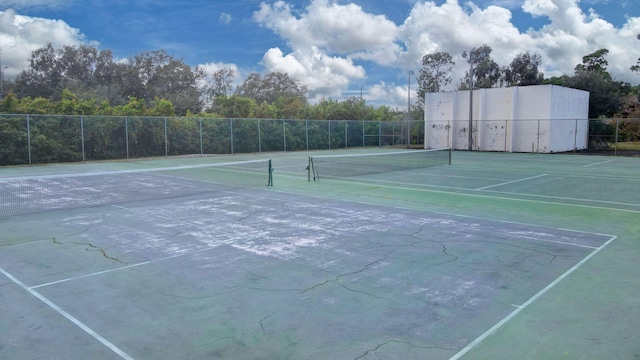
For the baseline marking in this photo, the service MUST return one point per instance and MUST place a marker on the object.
(511, 182)
(535, 297)
(69, 317)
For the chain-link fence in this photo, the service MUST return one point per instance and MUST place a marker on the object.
(38, 139)
(617, 136)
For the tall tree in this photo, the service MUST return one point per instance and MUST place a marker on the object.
(523, 70)
(486, 72)
(166, 77)
(271, 87)
(434, 75)
(592, 76)
(220, 85)
(595, 63)
(636, 68)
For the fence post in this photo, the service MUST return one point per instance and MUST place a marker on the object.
(575, 137)
(284, 135)
(82, 137)
(329, 134)
(346, 125)
(538, 138)
(306, 133)
(615, 146)
(231, 134)
(201, 145)
(259, 137)
(363, 136)
(29, 138)
(379, 133)
(126, 134)
(166, 140)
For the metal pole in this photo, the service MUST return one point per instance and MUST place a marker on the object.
(346, 124)
(306, 132)
(575, 137)
(284, 135)
(470, 103)
(615, 147)
(126, 134)
(82, 138)
(259, 138)
(29, 139)
(166, 141)
(409, 108)
(231, 134)
(201, 145)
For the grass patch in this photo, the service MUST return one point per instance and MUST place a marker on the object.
(627, 146)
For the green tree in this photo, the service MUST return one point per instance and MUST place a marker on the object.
(595, 63)
(271, 87)
(220, 85)
(592, 76)
(165, 77)
(486, 72)
(434, 75)
(523, 70)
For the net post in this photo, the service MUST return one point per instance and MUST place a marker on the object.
(449, 156)
(270, 183)
(309, 170)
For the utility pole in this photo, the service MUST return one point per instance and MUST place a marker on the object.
(409, 109)
(464, 56)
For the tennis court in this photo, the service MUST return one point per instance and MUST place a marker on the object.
(496, 256)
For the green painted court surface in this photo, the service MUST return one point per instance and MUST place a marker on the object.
(497, 256)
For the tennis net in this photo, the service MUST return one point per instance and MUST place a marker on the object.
(36, 194)
(350, 165)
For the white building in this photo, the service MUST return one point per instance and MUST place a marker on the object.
(541, 118)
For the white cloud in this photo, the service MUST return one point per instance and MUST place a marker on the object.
(324, 76)
(225, 18)
(324, 40)
(347, 34)
(21, 35)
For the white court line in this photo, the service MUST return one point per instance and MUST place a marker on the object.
(374, 183)
(122, 268)
(535, 297)
(69, 317)
(598, 163)
(511, 182)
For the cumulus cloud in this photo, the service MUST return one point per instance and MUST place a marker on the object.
(324, 40)
(324, 76)
(346, 34)
(21, 35)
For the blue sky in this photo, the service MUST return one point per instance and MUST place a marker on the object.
(335, 47)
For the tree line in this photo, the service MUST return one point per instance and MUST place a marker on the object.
(608, 97)
(85, 80)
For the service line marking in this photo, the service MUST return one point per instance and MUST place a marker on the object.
(68, 316)
(511, 182)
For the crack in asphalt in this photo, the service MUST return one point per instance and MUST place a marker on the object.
(91, 247)
(377, 347)
(339, 277)
(264, 332)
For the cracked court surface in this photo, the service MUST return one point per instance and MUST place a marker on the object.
(261, 274)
